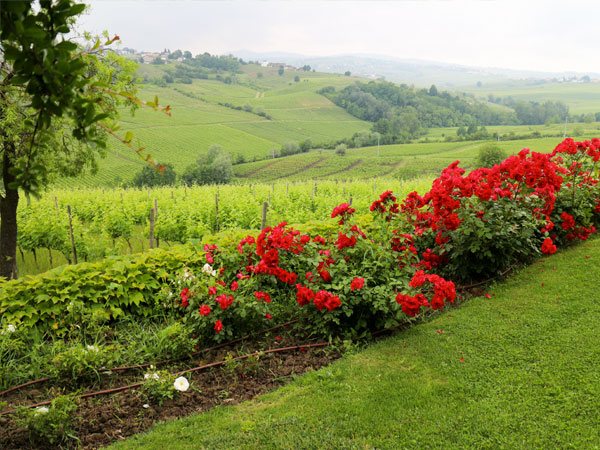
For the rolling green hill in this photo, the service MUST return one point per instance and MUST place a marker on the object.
(261, 110)
(294, 112)
(581, 98)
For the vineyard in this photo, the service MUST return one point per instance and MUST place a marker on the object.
(403, 161)
(111, 221)
(209, 112)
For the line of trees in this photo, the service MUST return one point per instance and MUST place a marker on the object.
(401, 112)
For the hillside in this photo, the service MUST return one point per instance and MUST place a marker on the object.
(252, 113)
(295, 112)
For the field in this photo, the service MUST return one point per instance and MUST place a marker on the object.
(116, 221)
(198, 121)
(402, 161)
(581, 98)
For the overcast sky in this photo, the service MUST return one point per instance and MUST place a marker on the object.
(545, 35)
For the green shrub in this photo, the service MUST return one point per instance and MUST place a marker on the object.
(490, 155)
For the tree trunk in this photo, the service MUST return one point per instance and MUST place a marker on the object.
(8, 218)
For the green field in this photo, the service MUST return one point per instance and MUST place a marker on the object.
(296, 112)
(403, 161)
(579, 97)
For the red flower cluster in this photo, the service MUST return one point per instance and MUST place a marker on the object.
(224, 301)
(304, 295)
(568, 221)
(344, 241)
(442, 291)
(185, 294)
(357, 283)
(210, 250)
(263, 296)
(218, 326)
(324, 299)
(548, 247)
(344, 211)
(204, 310)
(386, 203)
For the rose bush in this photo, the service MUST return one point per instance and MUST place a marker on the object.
(468, 226)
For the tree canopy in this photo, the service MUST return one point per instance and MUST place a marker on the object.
(59, 102)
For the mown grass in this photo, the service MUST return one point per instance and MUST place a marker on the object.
(519, 370)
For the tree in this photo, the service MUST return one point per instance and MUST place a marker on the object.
(58, 104)
(149, 177)
(176, 54)
(306, 68)
(187, 54)
(213, 167)
(340, 150)
(306, 145)
(158, 60)
(433, 90)
(280, 71)
(347, 73)
(296, 78)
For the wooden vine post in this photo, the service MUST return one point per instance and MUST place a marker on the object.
(72, 237)
(151, 242)
(263, 223)
(155, 218)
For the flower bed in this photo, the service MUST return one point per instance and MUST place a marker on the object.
(360, 275)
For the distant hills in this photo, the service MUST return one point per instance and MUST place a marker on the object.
(421, 73)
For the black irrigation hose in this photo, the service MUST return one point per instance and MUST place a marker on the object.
(139, 366)
(195, 369)
(481, 283)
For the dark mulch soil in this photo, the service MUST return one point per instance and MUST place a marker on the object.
(108, 418)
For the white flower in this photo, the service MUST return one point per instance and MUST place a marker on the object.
(151, 376)
(93, 348)
(146, 405)
(207, 269)
(41, 410)
(181, 384)
(10, 328)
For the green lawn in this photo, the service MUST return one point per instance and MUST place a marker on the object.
(519, 370)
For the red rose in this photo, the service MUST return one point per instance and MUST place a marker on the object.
(218, 326)
(357, 283)
(548, 247)
(204, 310)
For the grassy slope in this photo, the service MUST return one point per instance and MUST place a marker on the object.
(529, 380)
(198, 121)
(579, 97)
